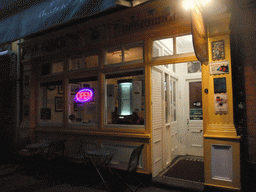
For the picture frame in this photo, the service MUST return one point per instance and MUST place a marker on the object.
(58, 104)
(218, 50)
(45, 113)
(78, 107)
(51, 87)
(219, 67)
(60, 89)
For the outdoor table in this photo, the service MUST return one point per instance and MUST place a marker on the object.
(34, 147)
(101, 158)
(31, 150)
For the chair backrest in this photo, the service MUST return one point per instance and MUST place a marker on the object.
(74, 146)
(56, 146)
(134, 159)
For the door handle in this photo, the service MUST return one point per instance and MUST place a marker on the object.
(187, 121)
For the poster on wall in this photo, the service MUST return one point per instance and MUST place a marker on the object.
(58, 104)
(220, 67)
(218, 50)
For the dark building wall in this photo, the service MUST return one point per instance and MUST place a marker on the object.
(243, 46)
(243, 51)
(8, 107)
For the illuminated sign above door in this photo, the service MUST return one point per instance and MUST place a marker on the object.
(84, 95)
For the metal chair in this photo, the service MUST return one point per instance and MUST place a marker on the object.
(75, 151)
(52, 158)
(28, 158)
(100, 159)
(56, 149)
(130, 167)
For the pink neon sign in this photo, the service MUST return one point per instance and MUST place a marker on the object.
(84, 95)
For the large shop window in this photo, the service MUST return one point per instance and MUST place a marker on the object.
(125, 98)
(83, 101)
(51, 103)
(125, 53)
(172, 46)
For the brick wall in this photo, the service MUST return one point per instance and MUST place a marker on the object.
(243, 50)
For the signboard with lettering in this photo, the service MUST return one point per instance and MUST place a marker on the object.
(48, 14)
(84, 95)
(196, 114)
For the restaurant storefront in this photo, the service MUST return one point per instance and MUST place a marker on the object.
(137, 76)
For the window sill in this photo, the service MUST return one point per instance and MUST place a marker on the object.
(93, 133)
(125, 63)
(82, 125)
(120, 126)
(44, 124)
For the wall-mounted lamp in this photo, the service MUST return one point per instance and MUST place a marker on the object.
(199, 29)
(190, 4)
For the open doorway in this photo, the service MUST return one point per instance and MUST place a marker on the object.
(177, 117)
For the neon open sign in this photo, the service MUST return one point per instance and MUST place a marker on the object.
(84, 95)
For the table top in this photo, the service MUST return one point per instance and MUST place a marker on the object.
(37, 145)
(102, 151)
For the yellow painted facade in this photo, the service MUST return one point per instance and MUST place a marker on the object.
(218, 129)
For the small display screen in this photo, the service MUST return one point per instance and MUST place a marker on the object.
(220, 85)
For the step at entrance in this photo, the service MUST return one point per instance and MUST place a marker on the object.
(186, 172)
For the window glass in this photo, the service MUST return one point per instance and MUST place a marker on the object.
(174, 68)
(156, 51)
(51, 102)
(82, 101)
(125, 98)
(51, 68)
(57, 67)
(76, 63)
(195, 101)
(184, 44)
(133, 52)
(163, 47)
(114, 56)
(83, 62)
(173, 99)
(125, 53)
(166, 98)
(194, 67)
(91, 61)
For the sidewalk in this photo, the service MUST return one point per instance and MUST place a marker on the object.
(14, 178)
